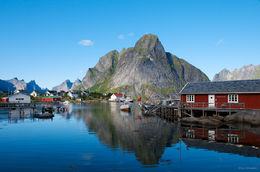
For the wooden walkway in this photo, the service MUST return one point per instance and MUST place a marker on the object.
(176, 112)
(170, 113)
(17, 105)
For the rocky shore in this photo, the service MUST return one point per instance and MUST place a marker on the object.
(248, 117)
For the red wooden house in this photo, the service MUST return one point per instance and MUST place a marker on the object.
(239, 94)
(4, 99)
(51, 99)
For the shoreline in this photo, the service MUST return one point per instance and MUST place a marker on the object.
(251, 117)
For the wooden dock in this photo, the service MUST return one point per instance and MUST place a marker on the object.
(170, 113)
(176, 112)
(17, 105)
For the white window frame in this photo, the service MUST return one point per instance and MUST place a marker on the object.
(190, 98)
(233, 98)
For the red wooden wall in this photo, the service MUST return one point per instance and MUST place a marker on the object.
(250, 101)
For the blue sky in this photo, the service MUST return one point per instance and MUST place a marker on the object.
(51, 41)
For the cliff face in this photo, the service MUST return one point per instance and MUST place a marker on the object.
(144, 70)
(246, 72)
(102, 72)
(65, 86)
(76, 84)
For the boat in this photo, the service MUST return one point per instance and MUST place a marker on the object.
(66, 102)
(127, 106)
(44, 115)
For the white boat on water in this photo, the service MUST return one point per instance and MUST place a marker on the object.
(126, 107)
(66, 102)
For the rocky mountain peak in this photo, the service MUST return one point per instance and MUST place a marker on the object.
(16, 84)
(145, 69)
(245, 72)
(32, 82)
(148, 43)
(76, 85)
(65, 86)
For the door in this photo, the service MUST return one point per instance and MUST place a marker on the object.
(211, 100)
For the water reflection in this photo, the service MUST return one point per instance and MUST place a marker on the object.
(238, 139)
(16, 115)
(146, 137)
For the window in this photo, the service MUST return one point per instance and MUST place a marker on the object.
(19, 99)
(233, 138)
(190, 98)
(232, 98)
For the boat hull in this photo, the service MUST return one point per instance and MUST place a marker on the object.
(126, 108)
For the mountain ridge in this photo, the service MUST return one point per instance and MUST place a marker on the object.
(245, 72)
(14, 84)
(143, 70)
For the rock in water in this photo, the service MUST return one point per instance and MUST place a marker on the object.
(144, 70)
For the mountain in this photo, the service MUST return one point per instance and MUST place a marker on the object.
(6, 86)
(143, 70)
(18, 84)
(15, 84)
(245, 72)
(76, 85)
(65, 86)
(32, 86)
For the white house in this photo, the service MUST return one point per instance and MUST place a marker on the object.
(34, 94)
(72, 95)
(51, 93)
(19, 98)
(116, 97)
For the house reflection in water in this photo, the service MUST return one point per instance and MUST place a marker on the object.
(17, 114)
(226, 139)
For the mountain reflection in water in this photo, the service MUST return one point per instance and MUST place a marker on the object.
(124, 137)
(146, 137)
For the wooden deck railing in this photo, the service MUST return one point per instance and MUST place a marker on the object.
(202, 105)
(17, 105)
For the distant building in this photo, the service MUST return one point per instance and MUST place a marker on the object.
(4, 99)
(20, 91)
(238, 94)
(85, 93)
(72, 94)
(61, 93)
(19, 98)
(51, 99)
(51, 93)
(35, 93)
(116, 97)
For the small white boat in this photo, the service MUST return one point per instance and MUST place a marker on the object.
(66, 102)
(126, 107)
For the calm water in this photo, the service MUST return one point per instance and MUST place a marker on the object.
(99, 137)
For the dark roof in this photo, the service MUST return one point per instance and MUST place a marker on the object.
(236, 86)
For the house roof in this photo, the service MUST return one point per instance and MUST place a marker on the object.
(51, 97)
(18, 94)
(236, 86)
(118, 95)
